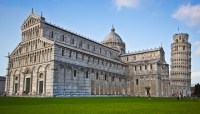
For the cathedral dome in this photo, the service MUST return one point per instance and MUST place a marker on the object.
(112, 37)
(114, 41)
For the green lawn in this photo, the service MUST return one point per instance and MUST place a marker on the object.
(133, 105)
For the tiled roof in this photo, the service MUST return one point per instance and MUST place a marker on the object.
(2, 78)
(143, 51)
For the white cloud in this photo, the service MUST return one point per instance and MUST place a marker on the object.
(197, 43)
(197, 52)
(195, 77)
(127, 3)
(188, 14)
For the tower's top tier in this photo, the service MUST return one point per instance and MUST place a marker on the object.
(181, 38)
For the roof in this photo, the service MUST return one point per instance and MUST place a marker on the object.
(143, 51)
(2, 78)
(89, 53)
(144, 62)
(76, 34)
(112, 37)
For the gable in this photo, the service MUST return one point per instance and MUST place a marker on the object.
(30, 21)
(34, 44)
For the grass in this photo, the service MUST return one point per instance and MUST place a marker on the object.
(126, 105)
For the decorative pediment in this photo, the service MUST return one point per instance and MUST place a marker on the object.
(30, 46)
(31, 20)
(17, 50)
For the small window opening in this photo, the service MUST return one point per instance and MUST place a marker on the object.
(136, 81)
(97, 77)
(63, 52)
(74, 73)
(86, 74)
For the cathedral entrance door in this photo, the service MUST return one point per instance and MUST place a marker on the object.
(40, 87)
(27, 85)
(147, 91)
(16, 84)
(147, 88)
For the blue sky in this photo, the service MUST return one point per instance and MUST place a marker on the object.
(142, 24)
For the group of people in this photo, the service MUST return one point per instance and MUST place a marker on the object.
(179, 97)
(195, 97)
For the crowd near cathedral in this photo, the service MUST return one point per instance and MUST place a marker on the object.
(53, 61)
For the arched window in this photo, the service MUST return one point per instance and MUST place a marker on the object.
(151, 66)
(183, 47)
(88, 46)
(136, 81)
(135, 68)
(51, 34)
(145, 67)
(140, 67)
(72, 41)
(105, 77)
(176, 40)
(63, 38)
(97, 77)
(74, 73)
(126, 58)
(113, 78)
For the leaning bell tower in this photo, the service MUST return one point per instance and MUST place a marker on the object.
(180, 65)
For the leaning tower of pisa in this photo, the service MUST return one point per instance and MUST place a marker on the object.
(180, 65)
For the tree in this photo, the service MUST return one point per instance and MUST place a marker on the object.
(197, 89)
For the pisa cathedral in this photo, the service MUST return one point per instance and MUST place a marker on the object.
(51, 60)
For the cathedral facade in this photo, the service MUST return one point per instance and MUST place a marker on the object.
(51, 60)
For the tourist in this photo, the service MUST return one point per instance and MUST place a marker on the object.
(149, 96)
(180, 97)
(4, 94)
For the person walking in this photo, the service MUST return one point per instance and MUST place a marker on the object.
(180, 97)
(149, 96)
